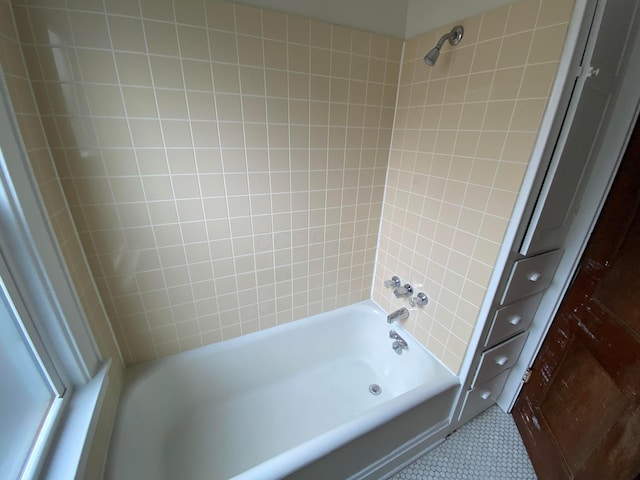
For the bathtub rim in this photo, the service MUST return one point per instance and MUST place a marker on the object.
(136, 371)
(321, 445)
(297, 457)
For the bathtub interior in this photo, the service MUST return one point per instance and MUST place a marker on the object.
(269, 400)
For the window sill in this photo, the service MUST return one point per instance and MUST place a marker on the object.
(68, 456)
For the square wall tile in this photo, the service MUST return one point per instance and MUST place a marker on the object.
(212, 128)
(461, 143)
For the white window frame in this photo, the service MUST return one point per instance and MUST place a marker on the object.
(13, 300)
(35, 269)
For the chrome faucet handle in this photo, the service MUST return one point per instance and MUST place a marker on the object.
(393, 283)
(404, 291)
(420, 300)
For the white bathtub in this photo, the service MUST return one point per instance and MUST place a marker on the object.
(264, 405)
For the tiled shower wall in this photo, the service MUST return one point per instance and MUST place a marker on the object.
(39, 156)
(463, 136)
(224, 165)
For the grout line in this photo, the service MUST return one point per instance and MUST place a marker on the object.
(221, 149)
(112, 203)
(350, 232)
(163, 267)
(192, 301)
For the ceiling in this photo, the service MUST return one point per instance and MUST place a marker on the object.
(397, 18)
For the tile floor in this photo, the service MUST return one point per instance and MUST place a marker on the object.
(487, 448)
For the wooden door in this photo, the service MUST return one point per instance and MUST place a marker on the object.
(579, 414)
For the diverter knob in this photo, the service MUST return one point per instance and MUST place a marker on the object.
(420, 300)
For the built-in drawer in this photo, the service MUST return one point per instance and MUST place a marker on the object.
(512, 319)
(530, 275)
(499, 358)
(482, 397)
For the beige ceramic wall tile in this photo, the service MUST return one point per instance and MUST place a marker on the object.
(287, 125)
(462, 138)
(225, 165)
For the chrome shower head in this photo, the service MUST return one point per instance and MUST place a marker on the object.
(454, 37)
(432, 57)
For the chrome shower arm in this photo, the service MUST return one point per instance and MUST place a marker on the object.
(443, 38)
(454, 36)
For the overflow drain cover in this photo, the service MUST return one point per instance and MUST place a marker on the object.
(375, 389)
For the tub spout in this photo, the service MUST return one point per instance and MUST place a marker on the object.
(400, 314)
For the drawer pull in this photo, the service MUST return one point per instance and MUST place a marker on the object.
(502, 360)
(485, 395)
(515, 320)
(534, 276)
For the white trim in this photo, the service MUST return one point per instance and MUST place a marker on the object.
(34, 258)
(625, 114)
(40, 278)
(549, 129)
(38, 455)
(71, 450)
(25, 323)
(574, 76)
(406, 454)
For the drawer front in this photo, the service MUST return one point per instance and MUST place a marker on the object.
(530, 276)
(499, 359)
(512, 319)
(482, 397)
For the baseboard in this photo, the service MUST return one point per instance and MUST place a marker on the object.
(404, 455)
